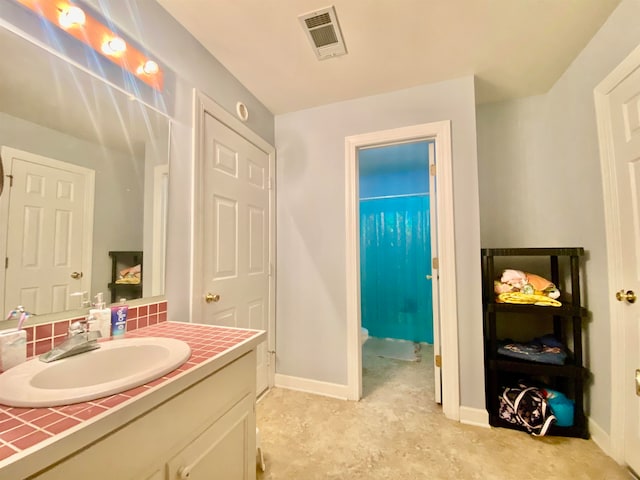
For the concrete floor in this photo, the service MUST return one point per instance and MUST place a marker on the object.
(397, 432)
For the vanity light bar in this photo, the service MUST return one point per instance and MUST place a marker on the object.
(82, 26)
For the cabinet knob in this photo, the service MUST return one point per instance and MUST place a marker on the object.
(76, 275)
(210, 297)
(629, 296)
(184, 473)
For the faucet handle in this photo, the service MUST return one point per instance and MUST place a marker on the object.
(81, 326)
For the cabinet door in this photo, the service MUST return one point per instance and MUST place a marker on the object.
(224, 451)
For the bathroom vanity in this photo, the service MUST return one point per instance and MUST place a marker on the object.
(195, 422)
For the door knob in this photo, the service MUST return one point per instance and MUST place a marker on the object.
(428, 277)
(628, 296)
(638, 382)
(76, 275)
(209, 297)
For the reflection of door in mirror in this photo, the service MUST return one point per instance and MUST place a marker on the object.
(46, 226)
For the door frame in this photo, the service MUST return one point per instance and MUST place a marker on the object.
(159, 235)
(440, 134)
(614, 250)
(205, 105)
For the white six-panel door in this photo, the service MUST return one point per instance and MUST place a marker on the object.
(624, 108)
(47, 220)
(236, 234)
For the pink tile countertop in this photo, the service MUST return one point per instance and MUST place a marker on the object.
(24, 432)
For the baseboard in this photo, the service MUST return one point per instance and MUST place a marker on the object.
(334, 390)
(478, 417)
(600, 438)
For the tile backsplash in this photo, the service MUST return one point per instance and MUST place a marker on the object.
(42, 338)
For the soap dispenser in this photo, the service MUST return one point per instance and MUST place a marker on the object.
(102, 314)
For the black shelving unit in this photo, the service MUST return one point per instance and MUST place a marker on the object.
(119, 261)
(567, 320)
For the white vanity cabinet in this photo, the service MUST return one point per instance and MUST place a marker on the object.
(217, 451)
(207, 431)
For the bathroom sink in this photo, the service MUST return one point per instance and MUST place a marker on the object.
(116, 366)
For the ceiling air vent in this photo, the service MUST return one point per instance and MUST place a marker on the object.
(323, 31)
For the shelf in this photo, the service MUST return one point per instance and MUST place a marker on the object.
(563, 264)
(566, 310)
(526, 252)
(125, 285)
(119, 260)
(531, 368)
(572, 431)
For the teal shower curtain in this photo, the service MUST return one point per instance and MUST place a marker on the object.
(395, 259)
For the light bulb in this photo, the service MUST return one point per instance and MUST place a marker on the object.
(114, 46)
(150, 67)
(72, 16)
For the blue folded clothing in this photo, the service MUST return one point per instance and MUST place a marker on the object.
(545, 349)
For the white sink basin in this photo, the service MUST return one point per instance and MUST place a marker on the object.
(116, 366)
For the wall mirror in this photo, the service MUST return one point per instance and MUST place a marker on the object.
(85, 174)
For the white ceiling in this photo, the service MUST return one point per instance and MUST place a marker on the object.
(515, 48)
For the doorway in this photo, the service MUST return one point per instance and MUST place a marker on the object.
(395, 248)
(438, 134)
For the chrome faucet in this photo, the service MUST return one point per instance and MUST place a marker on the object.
(79, 340)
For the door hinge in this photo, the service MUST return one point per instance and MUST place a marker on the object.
(10, 177)
(438, 361)
(432, 169)
(270, 354)
(435, 264)
(6, 262)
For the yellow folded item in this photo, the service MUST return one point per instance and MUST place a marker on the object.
(128, 281)
(527, 299)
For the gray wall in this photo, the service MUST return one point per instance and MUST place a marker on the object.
(539, 162)
(311, 303)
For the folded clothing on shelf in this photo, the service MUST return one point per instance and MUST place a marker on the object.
(517, 281)
(130, 275)
(545, 349)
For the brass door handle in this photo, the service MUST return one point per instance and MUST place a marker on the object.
(428, 277)
(76, 275)
(209, 297)
(628, 296)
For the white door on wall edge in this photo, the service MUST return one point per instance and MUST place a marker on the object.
(435, 294)
(47, 225)
(236, 234)
(624, 120)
